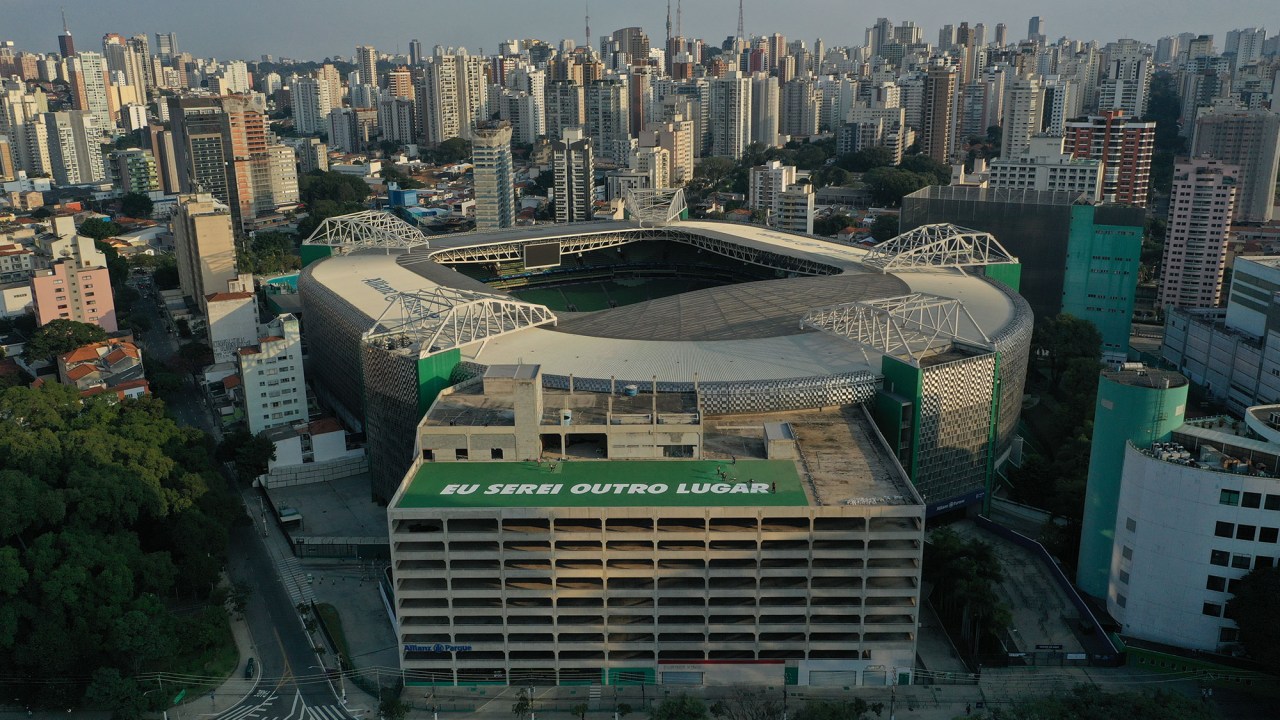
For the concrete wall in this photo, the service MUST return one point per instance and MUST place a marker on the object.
(305, 474)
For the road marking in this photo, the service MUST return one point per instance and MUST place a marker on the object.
(327, 712)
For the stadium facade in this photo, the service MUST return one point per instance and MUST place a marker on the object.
(718, 484)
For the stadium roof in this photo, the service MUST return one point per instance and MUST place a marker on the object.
(748, 331)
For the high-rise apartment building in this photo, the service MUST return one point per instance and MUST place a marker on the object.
(608, 121)
(564, 107)
(89, 88)
(367, 64)
(1245, 45)
(764, 109)
(135, 171)
(1022, 115)
(1044, 166)
(1195, 249)
(800, 108)
(75, 147)
(452, 95)
(1127, 83)
(730, 114)
(494, 175)
(275, 388)
(204, 245)
(795, 209)
(20, 117)
(1250, 140)
(311, 105)
(766, 185)
(936, 123)
(1124, 145)
(676, 137)
(574, 169)
(73, 283)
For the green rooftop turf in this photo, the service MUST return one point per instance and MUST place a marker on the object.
(597, 483)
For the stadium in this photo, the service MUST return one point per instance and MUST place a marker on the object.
(664, 451)
(926, 329)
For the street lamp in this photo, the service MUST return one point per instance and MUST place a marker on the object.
(342, 686)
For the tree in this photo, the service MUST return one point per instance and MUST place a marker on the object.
(99, 229)
(252, 454)
(884, 227)
(1088, 703)
(940, 172)
(112, 691)
(1256, 609)
(747, 704)
(889, 185)
(332, 186)
(393, 708)
(713, 171)
(580, 710)
(679, 707)
(832, 224)
(1058, 339)
(453, 150)
(866, 159)
(964, 574)
(522, 706)
(270, 253)
(136, 205)
(61, 336)
(855, 709)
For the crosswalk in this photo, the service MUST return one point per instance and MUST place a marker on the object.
(267, 705)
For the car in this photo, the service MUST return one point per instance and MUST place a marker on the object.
(248, 669)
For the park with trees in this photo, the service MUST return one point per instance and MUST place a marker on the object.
(113, 537)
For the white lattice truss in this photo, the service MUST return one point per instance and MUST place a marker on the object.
(511, 251)
(913, 325)
(443, 319)
(654, 207)
(367, 228)
(937, 246)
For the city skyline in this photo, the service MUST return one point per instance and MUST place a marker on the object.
(330, 28)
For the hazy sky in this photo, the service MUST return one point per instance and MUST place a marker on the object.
(312, 29)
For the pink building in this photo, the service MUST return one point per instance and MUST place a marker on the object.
(67, 292)
(1195, 247)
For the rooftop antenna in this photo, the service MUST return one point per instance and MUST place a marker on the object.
(668, 24)
(588, 7)
(679, 24)
(65, 29)
(741, 33)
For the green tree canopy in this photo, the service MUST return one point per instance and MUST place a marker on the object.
(925, 165)
(136, 205)
(964, 573)
(832, 224)
(888, 185)
(61, 336)
(1088, 703)
(110, 506)
(1256, 608)
(318, 186)
(99, 229)
(679, 707)
(1059, 339)
(884, 227)
(270, 253)
(453, 150)
(868, 159)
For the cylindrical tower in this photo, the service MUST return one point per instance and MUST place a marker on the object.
(1138, 405)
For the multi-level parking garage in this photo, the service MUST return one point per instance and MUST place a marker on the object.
(706, 486)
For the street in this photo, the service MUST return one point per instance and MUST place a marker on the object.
(291, 683)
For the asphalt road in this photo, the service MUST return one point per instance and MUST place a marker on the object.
(290, 684)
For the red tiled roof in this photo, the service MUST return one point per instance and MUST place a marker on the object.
(231, 381)
(324, 425)
(219, 297)
(80, 372)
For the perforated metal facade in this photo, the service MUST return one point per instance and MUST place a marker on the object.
(954, 449)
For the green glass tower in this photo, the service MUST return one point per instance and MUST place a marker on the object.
(1142, 406)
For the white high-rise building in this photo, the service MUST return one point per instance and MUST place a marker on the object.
(1195, 249)
(275, 388)
(795, 209)
(1044, 166)
(730, 114)
(75, 147)
(655, 164)
(767, 183)
(367, 64)
(1127, 85)
(1022, 115)
(494, 176)
(764, 109)
(676, 137)
(608, 121)
(1246, 44)
(29, 139)
(800, 108)
(311, 105)
(452, 95)
(89, 87)
(1249, 139)
(574, 169)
